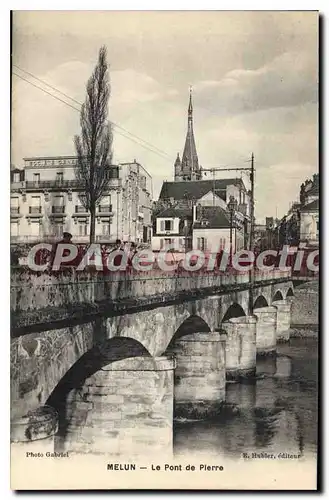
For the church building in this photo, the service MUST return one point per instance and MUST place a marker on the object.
(193, 212)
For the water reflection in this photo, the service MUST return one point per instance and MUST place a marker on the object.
(277, 412)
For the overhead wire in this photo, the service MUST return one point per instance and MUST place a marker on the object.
(134, 138)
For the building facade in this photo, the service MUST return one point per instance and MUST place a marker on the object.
(46, 201)
(300, 226)
(136, 203)
(309, 212)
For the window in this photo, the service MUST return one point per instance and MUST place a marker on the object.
(35, 228)
(105, 204)
(36, 201)
(14, 231)
(59, 177)
(168, 225)
(106, 229)
(59, 201)
(14, 205)
(36, 178)
(58, 229)
(58, 206)
(168, 242)
(201, 243)
(16, 177)
(222, 243)
(106, 201)
(83, 229)
(35, 207)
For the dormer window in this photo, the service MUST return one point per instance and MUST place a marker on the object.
(168, 225)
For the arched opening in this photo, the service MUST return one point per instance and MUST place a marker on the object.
(260, 302)
(199, 377)
(278, 296)
(290, 293)
(115, 349)
(234, 311)
(193, 324)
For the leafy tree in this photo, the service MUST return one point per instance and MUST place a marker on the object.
(94, 145)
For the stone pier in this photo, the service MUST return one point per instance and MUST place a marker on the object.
(124, 409)
(35, 432)
(200, 374)
(283, 320)
(240, 347)
(266, 329)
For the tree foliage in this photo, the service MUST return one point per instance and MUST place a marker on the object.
(94, 144)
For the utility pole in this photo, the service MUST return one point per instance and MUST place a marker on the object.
(252, 233)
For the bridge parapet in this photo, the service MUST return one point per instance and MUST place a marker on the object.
(32, 291)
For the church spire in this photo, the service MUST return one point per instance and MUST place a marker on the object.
(190, 162)
(190, 106)
(187, 169)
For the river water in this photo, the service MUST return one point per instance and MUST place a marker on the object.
(277, 413)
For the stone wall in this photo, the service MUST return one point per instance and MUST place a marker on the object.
(126, 408)
(305, 306)
(34, 291)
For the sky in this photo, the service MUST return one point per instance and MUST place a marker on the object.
(254, 77)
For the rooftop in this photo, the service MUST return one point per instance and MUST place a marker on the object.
(216, 217)
(180, 190)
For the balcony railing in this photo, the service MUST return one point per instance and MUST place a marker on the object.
(57, 184)
(34, 210)
(105, 208)
(103, 238)
(57, 210)
(14, 210)
(79, 209)
(68, 184)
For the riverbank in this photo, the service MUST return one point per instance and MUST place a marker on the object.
(304, 331)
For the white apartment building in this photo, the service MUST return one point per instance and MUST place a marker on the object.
(45, 202)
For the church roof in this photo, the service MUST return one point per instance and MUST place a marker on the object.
(180, 190)
(175, 212)
(216, 217)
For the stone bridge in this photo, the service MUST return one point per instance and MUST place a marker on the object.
(117, 356)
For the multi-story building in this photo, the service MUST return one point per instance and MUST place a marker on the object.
(300, 226)
(309, 212)
(136, 205)
(46, 200)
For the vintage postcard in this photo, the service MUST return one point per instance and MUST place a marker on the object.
(164, 216)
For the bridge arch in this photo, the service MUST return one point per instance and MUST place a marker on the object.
(290, 292)
(277, 296)
(260, 302)
(111, 350)
(234, 311)
(192, 324)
